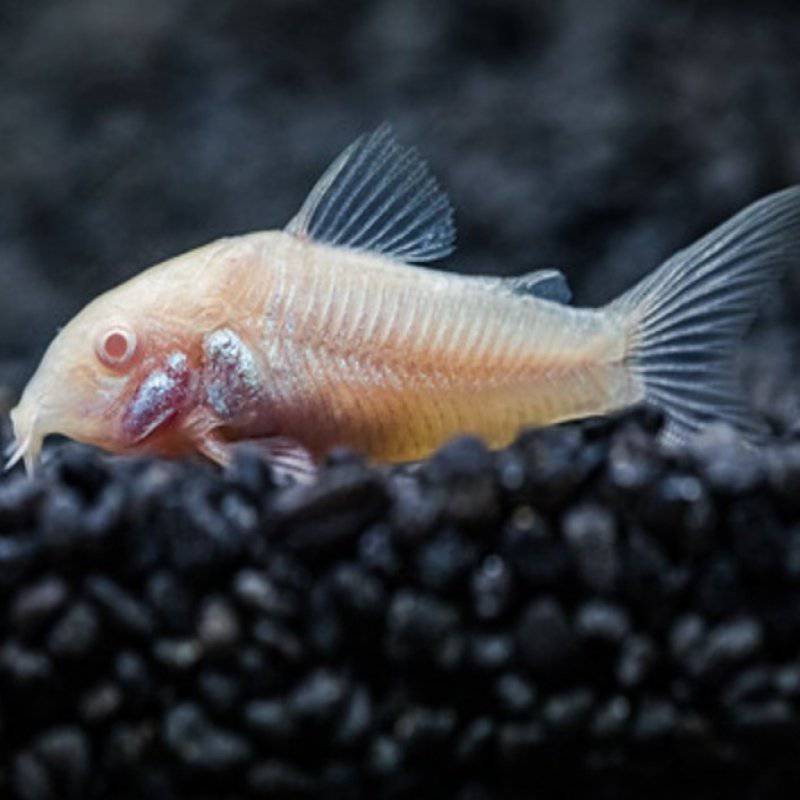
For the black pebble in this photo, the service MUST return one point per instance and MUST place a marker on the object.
(37, 603)
(515, 695)
(612, 718)
(132, 672)
(270, 720)
(121, 607)
(98, 705)
(638, 657)
(356, 718)
(377, 552)
(544, 636)
(218, 627)
(518, 741)
(591, 533)
(258, 591)
(602, 622)
(199, 744)
(656, 720)
(730, 644)
(444, 560)
(30, 779)
(170, 598)
(385, 756)
(220, 691)
(279, 779)
(476, 740)
(76, 633)
(67, 754)
(178, 655)
(568, 711)
(491, 652)
(418, 625)
(318, 699)
(358, 592)
(17, 555)
(492, 586)
(422, 730)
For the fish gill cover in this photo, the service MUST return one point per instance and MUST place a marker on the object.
(580, 615)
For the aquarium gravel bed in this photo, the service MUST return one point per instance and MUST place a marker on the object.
(582, 614)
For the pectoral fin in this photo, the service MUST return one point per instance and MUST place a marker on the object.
(288, 458)
(290, 461)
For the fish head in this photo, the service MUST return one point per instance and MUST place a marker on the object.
(111, 377)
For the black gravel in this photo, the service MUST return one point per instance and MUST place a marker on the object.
(582, 614)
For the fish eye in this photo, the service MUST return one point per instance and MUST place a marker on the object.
(116, 347)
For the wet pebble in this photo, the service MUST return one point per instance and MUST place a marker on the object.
(568, 711)
(544, 636)
(30, 779)
(491, 586)
(591, 533)
(220, 691)
(120, 606)
(201, 745)
(76, 633)
(24, 667)
(418, 625)
(655, 720)
(279, 779)
(515, 694)
(98, 705)
(217, 625)
(36, 604)
(730, 644)
(270, 720)
(602, 622)
(420, 728)
(67, 754)
(318, 699)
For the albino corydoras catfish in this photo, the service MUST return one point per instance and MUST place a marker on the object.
(325, 333)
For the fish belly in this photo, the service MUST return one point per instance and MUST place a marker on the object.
(395, 360)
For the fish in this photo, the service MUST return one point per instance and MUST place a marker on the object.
(336, 331)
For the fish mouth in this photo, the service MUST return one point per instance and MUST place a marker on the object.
(27, 441)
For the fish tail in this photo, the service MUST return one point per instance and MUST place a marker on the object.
(682, 323)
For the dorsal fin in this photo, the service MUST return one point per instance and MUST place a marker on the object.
(547, 284)
(381, 197)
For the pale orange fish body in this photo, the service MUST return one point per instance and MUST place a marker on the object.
(394, 359)
(323, 335)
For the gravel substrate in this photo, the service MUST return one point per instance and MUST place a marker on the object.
(580, 615)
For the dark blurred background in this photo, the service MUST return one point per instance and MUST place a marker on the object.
(597, 137)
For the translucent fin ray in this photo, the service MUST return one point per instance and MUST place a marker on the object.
(546, 284)
(379, 196)
(684, 321)
(15, 453)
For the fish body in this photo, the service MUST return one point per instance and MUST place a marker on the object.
(326, 333)
(392, 359)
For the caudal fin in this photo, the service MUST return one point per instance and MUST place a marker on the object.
(684, 321)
